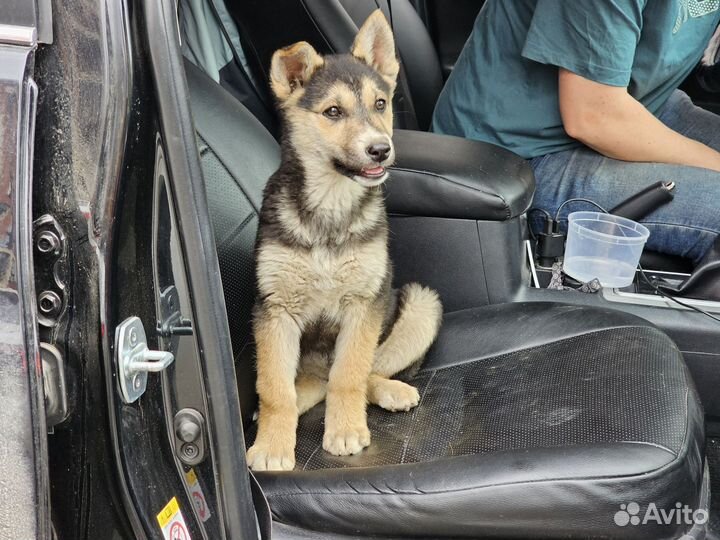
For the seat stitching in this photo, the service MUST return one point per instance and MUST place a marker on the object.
(506, 206)
(230, 174)
(686, 436)
(484, 259)
(583, 334)
(237, 230)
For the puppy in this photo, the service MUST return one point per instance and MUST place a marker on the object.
(327, 323)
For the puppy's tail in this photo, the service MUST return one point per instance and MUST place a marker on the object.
(418, 319)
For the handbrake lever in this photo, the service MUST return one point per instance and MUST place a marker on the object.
(646, 201)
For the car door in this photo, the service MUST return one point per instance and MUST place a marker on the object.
(150, 444)
(24, 490)
(180, 440)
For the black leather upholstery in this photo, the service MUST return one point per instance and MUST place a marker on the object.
(536, 420)
(330, 26)
(443, 176)
(237, 156)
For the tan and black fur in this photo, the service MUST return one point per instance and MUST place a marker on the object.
(327, 323)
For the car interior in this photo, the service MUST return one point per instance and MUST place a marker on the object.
(542, 411)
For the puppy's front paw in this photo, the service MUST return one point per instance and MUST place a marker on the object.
(396, 396)
(263, 457)
(345, 442)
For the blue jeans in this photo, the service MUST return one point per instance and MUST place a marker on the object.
(687, 226)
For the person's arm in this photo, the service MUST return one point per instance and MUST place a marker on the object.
(612, 122)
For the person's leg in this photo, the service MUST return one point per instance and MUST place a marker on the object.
(681, 115)
(687, 226)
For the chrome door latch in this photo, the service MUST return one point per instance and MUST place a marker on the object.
(134, 360)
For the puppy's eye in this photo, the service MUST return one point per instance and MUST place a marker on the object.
(333, 112)
(380, 105)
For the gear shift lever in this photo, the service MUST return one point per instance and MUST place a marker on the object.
(704, 283)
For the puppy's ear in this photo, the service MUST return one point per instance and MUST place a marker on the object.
(375, 45)
(292, 67)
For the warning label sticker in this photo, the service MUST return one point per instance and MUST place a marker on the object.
(172, 523)
(198, 496)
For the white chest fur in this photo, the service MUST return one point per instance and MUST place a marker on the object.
(310, 282)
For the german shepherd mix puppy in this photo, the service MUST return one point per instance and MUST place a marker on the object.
(327, 323)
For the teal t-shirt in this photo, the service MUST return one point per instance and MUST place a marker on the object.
(504, 88)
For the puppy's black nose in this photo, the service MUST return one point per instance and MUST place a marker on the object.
(378, 152)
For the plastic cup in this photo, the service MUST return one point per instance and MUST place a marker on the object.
(603, 246)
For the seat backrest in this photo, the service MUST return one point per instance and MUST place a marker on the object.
(330, 26)
(237, 155)
(211, 41)
(422, 71)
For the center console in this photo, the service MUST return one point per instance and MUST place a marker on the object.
(455, 207)
(458, 224)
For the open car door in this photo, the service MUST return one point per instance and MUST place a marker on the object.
(24, 492)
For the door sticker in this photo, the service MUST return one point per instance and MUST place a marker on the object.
(198, 496)
(172, 523)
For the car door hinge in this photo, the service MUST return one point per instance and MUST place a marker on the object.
(134, 360)
(50, 258)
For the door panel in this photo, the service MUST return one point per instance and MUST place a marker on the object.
(183, 389)
(194, 252)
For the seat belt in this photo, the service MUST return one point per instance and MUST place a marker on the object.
(406, 109)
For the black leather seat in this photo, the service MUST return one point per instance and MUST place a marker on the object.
(536, 420)
(530, 431)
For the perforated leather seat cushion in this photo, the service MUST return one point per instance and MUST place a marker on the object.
(555, 413)
(607, 386)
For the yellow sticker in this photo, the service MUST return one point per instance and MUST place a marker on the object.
(167, 513)
(191, 477)
(172, 523)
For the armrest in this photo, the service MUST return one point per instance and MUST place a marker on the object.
(450, 177)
